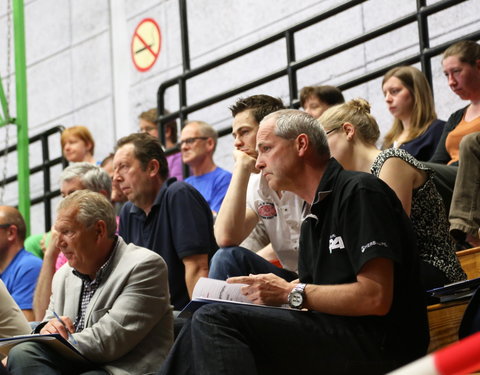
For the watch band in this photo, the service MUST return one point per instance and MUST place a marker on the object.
(296, 297)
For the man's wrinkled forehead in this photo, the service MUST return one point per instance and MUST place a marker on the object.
(265, 131)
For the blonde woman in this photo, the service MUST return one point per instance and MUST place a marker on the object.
(415, 127)
(352, 134)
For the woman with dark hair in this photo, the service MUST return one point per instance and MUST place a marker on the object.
(415, 127)
(352, 133)
(461, 141)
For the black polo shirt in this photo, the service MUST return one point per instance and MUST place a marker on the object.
(179, 224)
(355, 218)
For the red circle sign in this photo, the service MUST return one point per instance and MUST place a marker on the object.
(146, 44)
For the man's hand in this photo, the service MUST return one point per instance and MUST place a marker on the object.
(54, 326)
(52, 249)
(264, 289)
(245, 161)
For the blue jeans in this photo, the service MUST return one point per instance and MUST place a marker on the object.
(29, 358)
(235, 340)
(238, 261)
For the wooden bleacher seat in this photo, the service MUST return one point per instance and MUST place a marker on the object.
(444, 318)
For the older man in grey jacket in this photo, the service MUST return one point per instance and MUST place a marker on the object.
(112, 297)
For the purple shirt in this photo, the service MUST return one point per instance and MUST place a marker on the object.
(175, 166)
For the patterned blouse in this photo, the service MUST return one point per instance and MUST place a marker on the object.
(428, 218)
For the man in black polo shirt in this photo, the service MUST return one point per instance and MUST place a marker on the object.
(358, 269)
(167, 216)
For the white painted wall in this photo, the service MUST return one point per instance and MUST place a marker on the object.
(80, 70)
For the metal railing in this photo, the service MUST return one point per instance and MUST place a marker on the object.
(292, 65)
(46, 164)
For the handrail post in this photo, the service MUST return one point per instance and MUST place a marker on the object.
(292, 73)
(22, 112)
(424, 42)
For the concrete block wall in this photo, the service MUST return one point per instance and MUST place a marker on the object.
(80, 69)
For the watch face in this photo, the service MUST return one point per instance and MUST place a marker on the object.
(296, 299)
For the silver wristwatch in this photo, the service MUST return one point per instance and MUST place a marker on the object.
(296, 297)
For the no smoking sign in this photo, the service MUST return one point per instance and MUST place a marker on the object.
(146, 44)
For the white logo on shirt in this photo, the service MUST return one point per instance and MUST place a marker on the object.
(373, 243)
(336, 242)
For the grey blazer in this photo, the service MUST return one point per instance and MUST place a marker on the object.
(129, 322)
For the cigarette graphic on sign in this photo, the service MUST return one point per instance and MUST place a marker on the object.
(146, 44)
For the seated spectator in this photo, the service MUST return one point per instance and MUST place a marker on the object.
(358, 271)
(18, 268)
(352, 135)
(316, 99)
(461, 66)
(117, 197)
(249, 201)
(465, 209)
(415, 128)
(167, 216)
(77, 176)
(78, 144)
(123, 324)
(12, 320)
(198, 142)
(148, 124)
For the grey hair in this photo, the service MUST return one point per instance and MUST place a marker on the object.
(290, 123)
(91, 176)
(91, 207)
(206, 130)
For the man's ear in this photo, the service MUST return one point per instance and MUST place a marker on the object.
(302, 142)
(210, 144)
(12, 232)
(153, 167)
(100, 229)
(349, 130)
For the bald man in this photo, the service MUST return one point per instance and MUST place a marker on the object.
(18, 268)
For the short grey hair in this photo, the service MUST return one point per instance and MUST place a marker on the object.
(91, 176)
(91, 207)
(205, 129)
(290, 123)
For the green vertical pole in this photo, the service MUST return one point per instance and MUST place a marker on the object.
(22, 112)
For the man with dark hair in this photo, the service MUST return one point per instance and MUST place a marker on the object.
(148, 123)
(252, 213)
(164, 215)
(317, 99)
(19, 269)
(358, 276)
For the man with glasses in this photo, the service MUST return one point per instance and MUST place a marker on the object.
(198, 143)
(164, 215)
(19, 269)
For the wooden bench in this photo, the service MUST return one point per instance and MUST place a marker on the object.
(444, 318)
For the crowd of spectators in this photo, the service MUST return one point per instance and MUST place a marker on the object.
(298, 223)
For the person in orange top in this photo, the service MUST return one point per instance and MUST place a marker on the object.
(460, 141)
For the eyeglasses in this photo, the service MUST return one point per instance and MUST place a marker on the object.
(3, 226)
(332, 130)
(190, 141)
